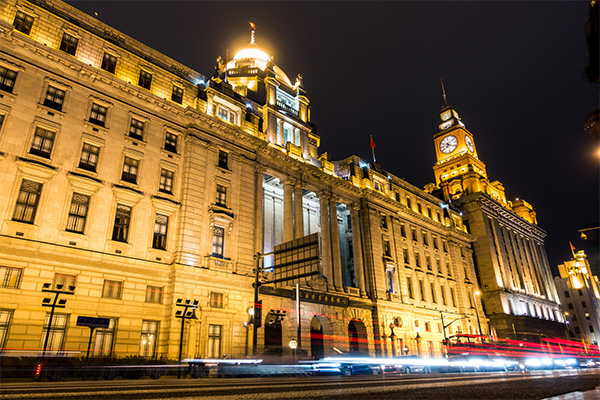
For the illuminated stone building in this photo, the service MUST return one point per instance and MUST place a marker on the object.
(518, 291)
(579, 293)
(139, 182)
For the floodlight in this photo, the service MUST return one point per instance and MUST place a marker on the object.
(59, 286)
(178, 313)
(72, 288)
(45, 286)
(46, 301)
(62, 302)
(178, 301)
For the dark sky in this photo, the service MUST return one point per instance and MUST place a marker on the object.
(512, 70)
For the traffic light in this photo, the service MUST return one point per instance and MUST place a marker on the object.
(258, 313)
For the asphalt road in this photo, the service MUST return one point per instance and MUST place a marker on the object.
(498, 385)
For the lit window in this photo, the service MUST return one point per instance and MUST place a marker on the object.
(177, 94)
(54, 98)
(78, 213)
(218, 241)
(154, 294)
(43, 141)
(89, 157)
(136, 129)
(214, 341)
(98, 114)
(166, 181)
(145, 79)
(109, 63)
(130, 170)
(10, 278)
(5, 317)
(216, 300)
(161, 225)
(55, 332)
(7, 79)
(112, 289)
(148, 338)
(23, 22)
(69, 43)
(122, 220)
(171, 142)
(103, 343)
(27, 201)
(221, 199)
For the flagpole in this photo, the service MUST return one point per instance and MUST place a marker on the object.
(373, 149)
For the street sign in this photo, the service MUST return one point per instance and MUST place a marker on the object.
(296, 261)
(93, 322)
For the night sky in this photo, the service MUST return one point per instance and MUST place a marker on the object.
(512, 70)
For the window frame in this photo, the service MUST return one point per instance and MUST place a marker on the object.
(25, 24)
(95, 109)
(168, 145)
(6, 77)
(9, 279)
(69, 43)
(122, 223)
(167, 178)
(130, 170)
(75, 216)
(27, 205)
(151, 297)
(177, 94)
(218, 244)
(112, 289)
(81, 164)
(112, 67)
(159, 237)
(149, 330)
(42, 142)
(145, 79)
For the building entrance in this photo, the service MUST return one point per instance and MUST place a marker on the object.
(357, 336)
(317, 348)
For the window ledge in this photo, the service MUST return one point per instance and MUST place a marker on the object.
(8, 96)
(51, 111)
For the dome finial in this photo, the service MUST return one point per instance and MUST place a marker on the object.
(252, 33)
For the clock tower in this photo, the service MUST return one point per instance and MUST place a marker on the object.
(458, 170)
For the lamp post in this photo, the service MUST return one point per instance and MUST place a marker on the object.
(393, 340)
(444, 326)
(54, 304)
(189, 307)
(405, 349)
(566, 314)
(418, 339)
(475, 295)
(583, 235)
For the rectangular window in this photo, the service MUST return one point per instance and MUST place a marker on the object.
(55, 333)
(445, 246)
(64, 282)
(214, 341)
(154, 294)
(414, 234)
(435, 241)
(148, 338)
(570, 306)
(136, 129)
(428, 328)
(580, 292)
(443, 291)
(78, 213)
(69, 43)
(43, 141)
(216, 300)
(130, 170)
(145, 79)
(109, 63)
(54, 98)
(122, 220)
(433, 296)
(387, 251)
(171, 142)
(405, 254)
(161, 224)
(409, 287)
(583, 304)
(419, 208)
(10, 278)
(567, 294)
(218, 241)
(452, 297)
(417, 259)
(384, 224)
(221, 199)
(98, 114)
(223, 159)
(27, 201)
(448, 269)
(166, 181)
(428, 262)
(112, 289)
(105, 337)
(402, 230)
(421, 289)
(5, 317)
(89, 157)
(397, 196)
(425, 238)
(23, 22)
(390, 279)
(408, 203)
(177, 94)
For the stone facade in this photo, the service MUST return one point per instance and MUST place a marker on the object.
(140, 182)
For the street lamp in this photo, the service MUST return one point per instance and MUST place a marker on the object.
(475, 294)
(418, 339)
(406, 350)
(188, 312)
(392, 340)
(566, 314)
(583, 235)
(293, 345)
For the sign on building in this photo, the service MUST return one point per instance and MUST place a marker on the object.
(296, 261)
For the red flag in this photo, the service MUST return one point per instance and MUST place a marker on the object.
(252, 25)
(572, 247)
(372, 142)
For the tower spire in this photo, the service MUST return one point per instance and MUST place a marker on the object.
(252, 33)
(444, 93)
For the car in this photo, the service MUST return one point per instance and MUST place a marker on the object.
(416, 365)
(348, 365)
(479, 363)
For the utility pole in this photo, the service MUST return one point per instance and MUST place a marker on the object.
(187, 313)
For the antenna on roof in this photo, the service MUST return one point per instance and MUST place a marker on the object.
(444, 93)
(252, 33)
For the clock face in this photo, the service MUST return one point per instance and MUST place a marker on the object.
(448, 144)
(445, 115)
(469, 144)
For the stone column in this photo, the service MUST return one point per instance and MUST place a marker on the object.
(288, 210)
(325, 237)
(336, 256)
(259, 209)
(359, 273)
(298, 212)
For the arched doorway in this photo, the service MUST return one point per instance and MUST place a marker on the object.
(317, 347)
(357, 336)
(273, 333)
